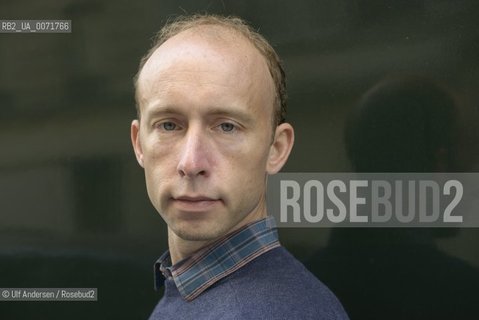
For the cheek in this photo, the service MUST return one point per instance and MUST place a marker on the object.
(248, 150)
(246, 168)
(245, 191)
(154, 182)
(157, 153)
(159, 167)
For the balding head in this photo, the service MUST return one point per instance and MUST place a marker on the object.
(224, 31)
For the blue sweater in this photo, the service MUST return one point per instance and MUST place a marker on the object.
(273, 286)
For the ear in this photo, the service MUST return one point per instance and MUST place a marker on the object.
(135, 140)
(280, 148)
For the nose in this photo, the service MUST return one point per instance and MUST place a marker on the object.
(194, 153)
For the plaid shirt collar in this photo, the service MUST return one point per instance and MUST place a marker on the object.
(212, 263)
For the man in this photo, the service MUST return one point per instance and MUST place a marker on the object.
(210, 129)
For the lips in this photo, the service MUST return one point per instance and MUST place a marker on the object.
(195, 203)
(194, 198)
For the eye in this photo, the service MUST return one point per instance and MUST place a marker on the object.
(168, 126)
(227, 127)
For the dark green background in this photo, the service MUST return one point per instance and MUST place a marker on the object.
(73, 205)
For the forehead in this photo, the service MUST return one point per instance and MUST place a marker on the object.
(206, 53)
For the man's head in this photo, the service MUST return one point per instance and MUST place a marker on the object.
(207, 96)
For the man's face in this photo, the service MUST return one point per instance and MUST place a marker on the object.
(205, 134)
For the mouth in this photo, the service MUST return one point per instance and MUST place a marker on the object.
(195, 203)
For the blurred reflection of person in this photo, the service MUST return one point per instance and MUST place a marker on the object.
(403, 124)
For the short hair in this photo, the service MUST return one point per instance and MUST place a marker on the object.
(238, 25)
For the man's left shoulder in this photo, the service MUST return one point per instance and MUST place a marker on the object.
(284, 287)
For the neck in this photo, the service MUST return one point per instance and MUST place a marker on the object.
(181, 248)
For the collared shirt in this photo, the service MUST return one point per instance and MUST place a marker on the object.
(212, 263)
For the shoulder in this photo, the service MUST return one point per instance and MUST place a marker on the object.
(277, 286)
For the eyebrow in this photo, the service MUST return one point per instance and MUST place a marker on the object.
(159, 110)
(242, 116)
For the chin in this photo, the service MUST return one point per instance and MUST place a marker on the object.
(199, 232)
(196, 235)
